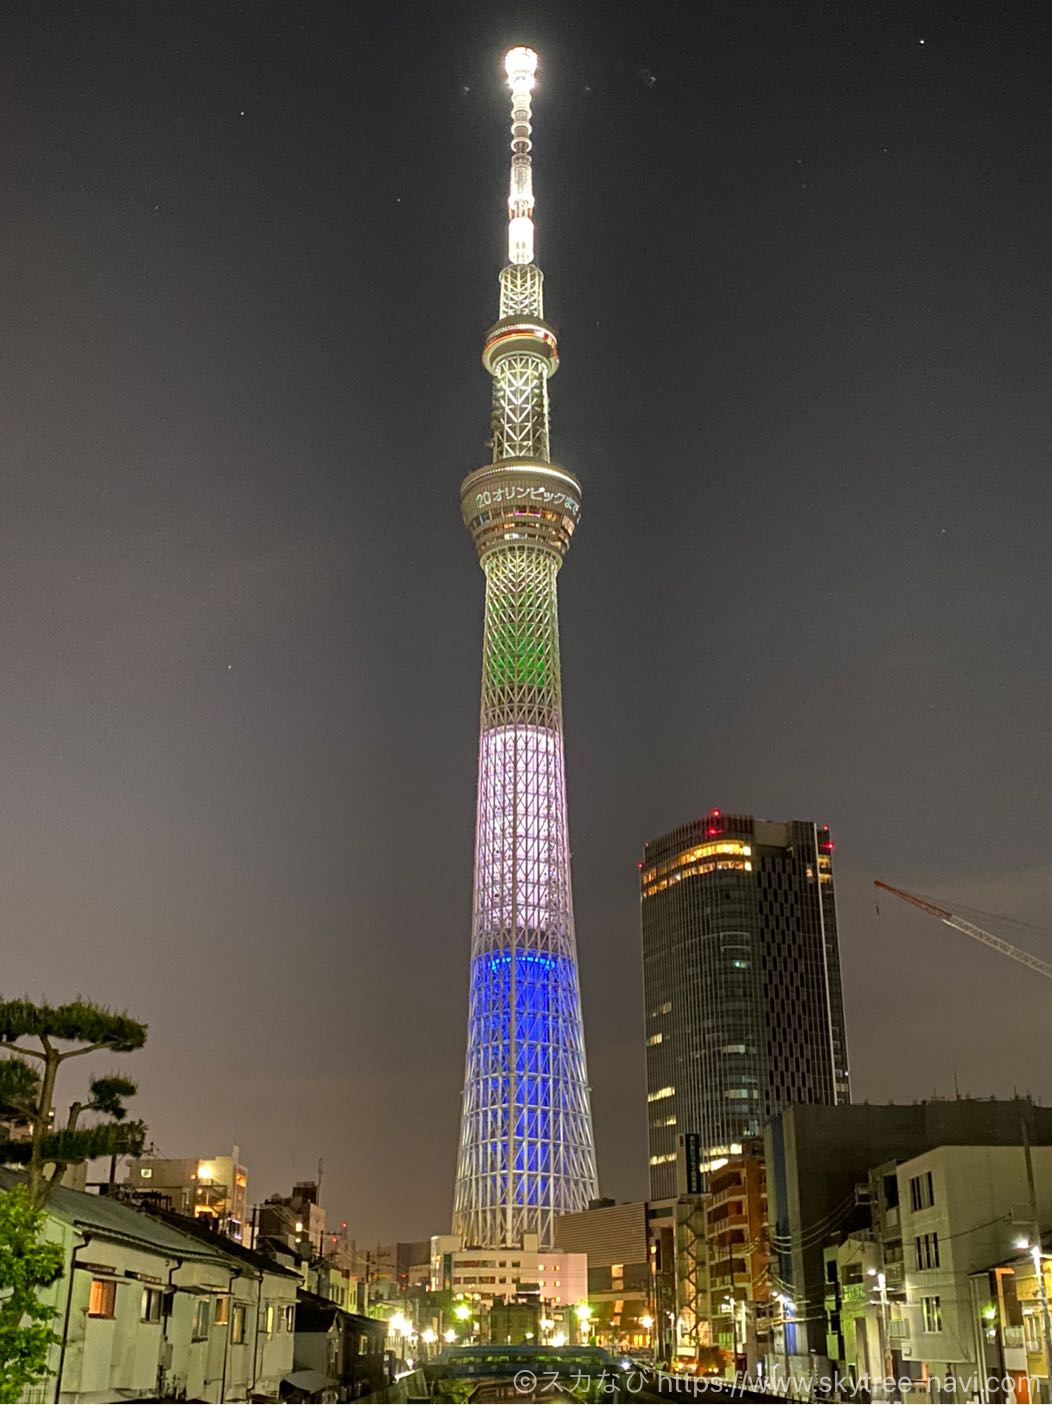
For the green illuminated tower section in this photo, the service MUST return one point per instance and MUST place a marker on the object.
(527, 1151)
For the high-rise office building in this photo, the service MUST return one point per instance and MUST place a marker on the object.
(741, 979)
(526, 1146)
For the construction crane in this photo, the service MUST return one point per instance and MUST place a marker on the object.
(1043, 968)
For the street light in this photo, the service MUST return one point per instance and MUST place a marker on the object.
(1038, 1258)
(1042, 1298)
(882, 1289)
(449, 1336)
(647, 1324)
(462, 1312)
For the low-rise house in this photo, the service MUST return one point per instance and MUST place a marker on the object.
(337, 1346)
(152, 1308)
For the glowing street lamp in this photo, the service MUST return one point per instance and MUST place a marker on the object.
(449, 1336)
(646, 1322)
(462, 1312)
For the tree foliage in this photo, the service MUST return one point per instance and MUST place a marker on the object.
(45, 1034)
(26, 1263)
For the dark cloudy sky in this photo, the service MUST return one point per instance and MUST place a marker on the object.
(799, 258)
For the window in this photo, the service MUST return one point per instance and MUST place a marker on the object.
(222, 1312)
(102, 1298)
(290, 1317)
(660, 1094)
(237, 1324)
(268, 1321)
(1031, 1332)
(922, 1191)
(653, 1039)
(931, 1310)
(151, 1305)
(202, 1319)
(926, 1247)
(146, 1172)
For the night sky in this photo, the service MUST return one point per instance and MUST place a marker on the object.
(798, 255)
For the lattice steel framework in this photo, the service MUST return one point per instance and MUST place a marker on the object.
(526, 1145)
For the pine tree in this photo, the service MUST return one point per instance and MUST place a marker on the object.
(45, 1034)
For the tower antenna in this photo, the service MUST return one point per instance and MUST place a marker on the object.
(521, 66)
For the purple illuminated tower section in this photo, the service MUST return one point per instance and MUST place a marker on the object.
(527, 1152)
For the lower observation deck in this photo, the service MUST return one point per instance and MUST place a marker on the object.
(520, 501)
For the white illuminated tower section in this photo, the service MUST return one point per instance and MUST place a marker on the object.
(527, 1152)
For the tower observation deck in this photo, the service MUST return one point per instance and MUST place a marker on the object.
(527, 1151)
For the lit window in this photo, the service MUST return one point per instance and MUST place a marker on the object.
(655, 1039)
(290, 1317)
(146, 1172)
(665, 1009)
(668, 1092)
(931, 1309)
(222, 1312)
(151, 1305)
(661, 1160)
(268, 1321)
(102, 1298)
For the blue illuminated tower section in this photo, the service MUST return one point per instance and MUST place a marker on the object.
(527, 1153)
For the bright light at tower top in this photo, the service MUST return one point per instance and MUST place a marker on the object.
(520, 65)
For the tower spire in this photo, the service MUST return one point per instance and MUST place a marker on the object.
(520, 65)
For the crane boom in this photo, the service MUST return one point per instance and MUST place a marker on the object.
(1043, 968)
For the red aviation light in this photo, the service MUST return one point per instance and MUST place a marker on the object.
(715, 814)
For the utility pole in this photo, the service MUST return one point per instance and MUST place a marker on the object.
(1039, 1264)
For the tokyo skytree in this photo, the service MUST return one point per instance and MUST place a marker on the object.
(527, 1152)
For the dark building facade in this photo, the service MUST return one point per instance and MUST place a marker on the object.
(741, 976)
(615, 1238)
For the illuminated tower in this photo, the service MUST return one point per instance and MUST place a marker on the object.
(527, 1152)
